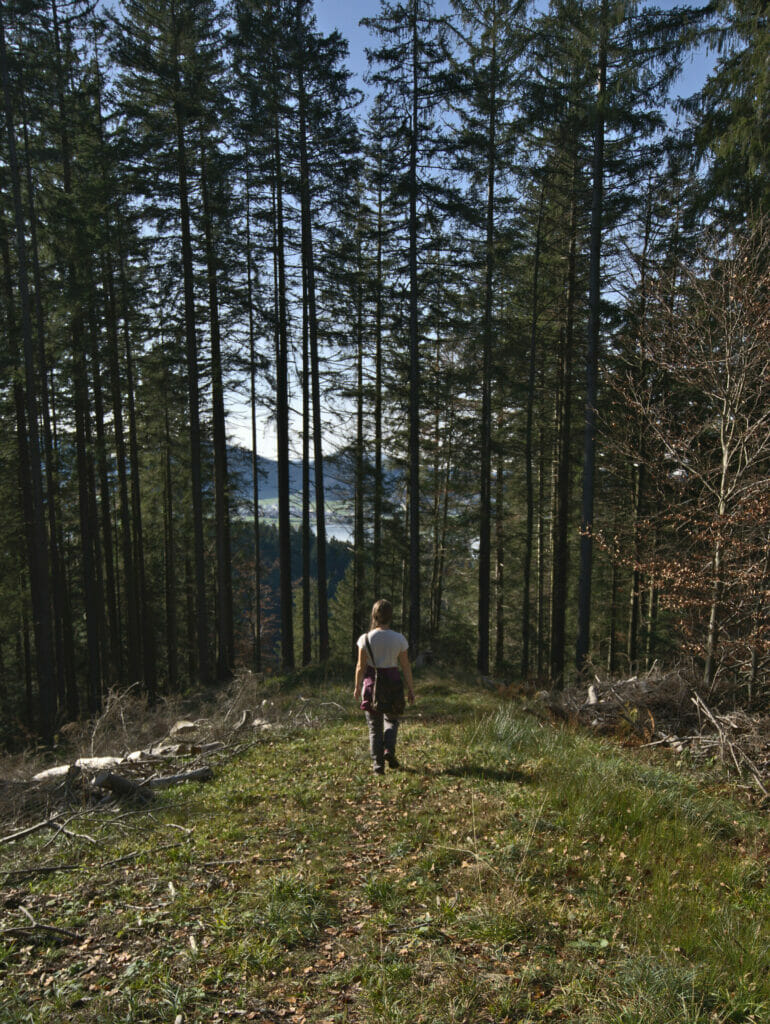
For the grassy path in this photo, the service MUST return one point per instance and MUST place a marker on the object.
(511, 872)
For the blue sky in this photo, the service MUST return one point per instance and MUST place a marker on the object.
(346, 14)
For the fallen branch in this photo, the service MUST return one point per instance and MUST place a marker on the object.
(48, 869)
(49, 822)
(44, 869)
(24, 932)
(62, 831)
(28, 933)
(204, 774)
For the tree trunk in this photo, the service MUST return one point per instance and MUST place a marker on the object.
(712, 632)
(308, 261)
(542, 616)
(282, 413)
(26, 660)
(189, 590)
(636, 573)
(149, 667)
(112, 657)
(169, 538)
(442, 469)
(25, 489)
(88, 527)
(500, 564)
(72, 696)
(378, 479)
(133, 648)
(201, 615)
(439, 482)
(93, 457)
(257, 577)
(414, 359)
(358, 527)
(485, 481)
(560, 543)
(652, 615)
(441, 568)
(36, 535)
(612, 651)
(592, 360)
(634, 611)
(64, 653)
(405, 575)
(224, 590)
(307, 653)
(526, 624)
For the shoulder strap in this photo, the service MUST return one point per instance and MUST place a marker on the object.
(371, 652)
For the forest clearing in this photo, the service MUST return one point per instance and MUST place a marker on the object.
(472, 316)
(514, 870)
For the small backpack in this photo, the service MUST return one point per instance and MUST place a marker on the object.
(387, 694)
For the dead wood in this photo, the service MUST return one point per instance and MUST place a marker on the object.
(34, 926)
(129, 753)
(48, 869)
(43, 869)
(122, 787)
(32, 828)
(662, 709)
(62, 830)
(29, 932)
(204, 774)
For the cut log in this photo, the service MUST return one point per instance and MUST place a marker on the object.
(59, 771)
(184, 727)
(121, 786)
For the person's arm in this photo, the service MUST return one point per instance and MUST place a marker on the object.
(360, 672)
(406, 668)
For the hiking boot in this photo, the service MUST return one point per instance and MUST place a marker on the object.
(379, 769)
(392, 760)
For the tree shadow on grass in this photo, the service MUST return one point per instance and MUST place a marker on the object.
(477, 771)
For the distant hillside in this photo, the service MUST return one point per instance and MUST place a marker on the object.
(338, 476)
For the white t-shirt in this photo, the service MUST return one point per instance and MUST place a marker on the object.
(386, 645)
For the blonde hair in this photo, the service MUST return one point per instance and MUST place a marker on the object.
(382, 614)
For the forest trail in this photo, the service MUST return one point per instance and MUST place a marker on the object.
(511, 871)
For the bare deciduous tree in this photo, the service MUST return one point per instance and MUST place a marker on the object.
(703, 398)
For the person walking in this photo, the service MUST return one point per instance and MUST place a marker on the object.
(381, 653)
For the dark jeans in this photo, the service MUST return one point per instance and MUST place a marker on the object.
(383, 731)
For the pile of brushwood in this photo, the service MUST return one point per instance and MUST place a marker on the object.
(129, 752)
(663, 708)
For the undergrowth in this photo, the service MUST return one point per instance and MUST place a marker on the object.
(512, 871)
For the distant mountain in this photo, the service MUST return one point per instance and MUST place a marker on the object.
(338, 476)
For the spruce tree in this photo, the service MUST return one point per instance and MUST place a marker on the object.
(728, 117)
(406, 67)
(493, 37)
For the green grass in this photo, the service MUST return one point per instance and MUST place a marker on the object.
(513, 871)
